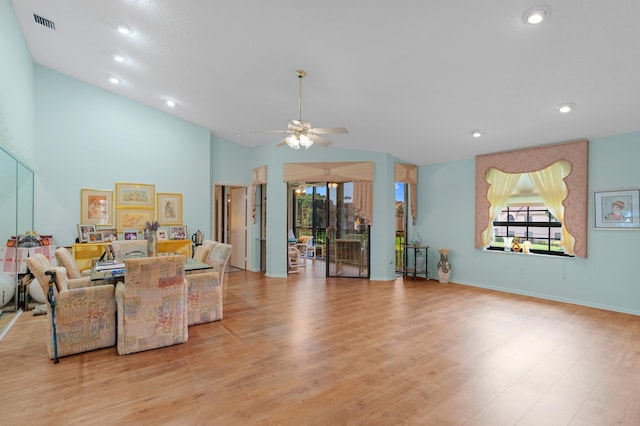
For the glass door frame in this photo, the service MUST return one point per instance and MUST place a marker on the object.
(336, 197)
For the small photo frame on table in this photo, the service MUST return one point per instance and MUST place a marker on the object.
(169, 208)
(130, 234)
(95, 237)
(83, 232)
(109, 234)
(162, 234)
(178, 232)
(135, 195)
(96, 207)
(617, 209)
(133, 218)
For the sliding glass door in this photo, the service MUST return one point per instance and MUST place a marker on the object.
(327, 213)
(347, 237)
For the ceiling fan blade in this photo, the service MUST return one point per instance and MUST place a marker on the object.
(320, 140)
(282, 142)
(328, 130)
(268, 131)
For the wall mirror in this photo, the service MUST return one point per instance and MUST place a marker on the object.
(16, 216)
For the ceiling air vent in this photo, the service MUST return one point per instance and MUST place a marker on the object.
(44, 21)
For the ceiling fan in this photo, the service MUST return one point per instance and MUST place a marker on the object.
(301, 134)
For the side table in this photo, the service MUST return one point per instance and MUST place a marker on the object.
(417, 265)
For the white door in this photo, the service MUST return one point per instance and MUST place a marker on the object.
(238, 227)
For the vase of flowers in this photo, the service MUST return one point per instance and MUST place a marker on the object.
(444, 267)
(152, 238)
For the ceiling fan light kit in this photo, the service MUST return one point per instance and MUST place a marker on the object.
(301, 134)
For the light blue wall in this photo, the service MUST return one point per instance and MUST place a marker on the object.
(90, 138)
(382, 233)
(230, 163)
(608, 278)
(87, 137)
(17, 116)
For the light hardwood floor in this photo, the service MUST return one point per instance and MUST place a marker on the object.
(310, 351)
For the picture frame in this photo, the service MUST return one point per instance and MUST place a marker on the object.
(130, 234)
(96, 206)
(162, 234)
(169, 208)
(178, 232)
(133, 218)
(109, 234)
(95, 237)
(84, 230)
(619, 210)
(135, 195)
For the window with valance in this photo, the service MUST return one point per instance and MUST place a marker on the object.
(408, 174)
(559, 175)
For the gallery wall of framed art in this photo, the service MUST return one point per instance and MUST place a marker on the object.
(127, 210)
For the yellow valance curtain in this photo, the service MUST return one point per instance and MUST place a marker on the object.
(551, 187)
(553, 190)
(501, 186)
(408, 173)
(258, 177)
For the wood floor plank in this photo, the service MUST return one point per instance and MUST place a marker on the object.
(306, 350)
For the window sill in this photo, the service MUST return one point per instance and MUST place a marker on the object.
(520, 253)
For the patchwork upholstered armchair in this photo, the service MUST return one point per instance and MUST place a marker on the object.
(152, 304)
(205, 294)
(66, 260)
(85, 314)
(219, 257)
(202, 251)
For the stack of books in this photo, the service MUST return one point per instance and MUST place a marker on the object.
(105, 265)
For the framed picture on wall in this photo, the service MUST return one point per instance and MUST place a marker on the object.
(83, 232)
(96, 207)
(617, 209)
(133, 218)
(135, 195)
(169, 208)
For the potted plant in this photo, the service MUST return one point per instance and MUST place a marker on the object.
(416, 241)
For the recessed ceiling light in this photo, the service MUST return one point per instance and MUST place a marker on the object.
(170, 103)
(119, 58)
(114, 80)
(536, 14)
(566, 107)
(476, 133)
(124, 29)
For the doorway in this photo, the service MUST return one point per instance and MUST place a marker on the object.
(348, 236)
(341, 239)
(230, 222)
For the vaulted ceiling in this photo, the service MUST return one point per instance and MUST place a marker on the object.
(410, 78)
